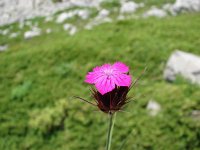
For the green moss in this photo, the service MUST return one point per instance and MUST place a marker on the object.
(37, 73)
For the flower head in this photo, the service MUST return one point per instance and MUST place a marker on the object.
(107, 77)
(112, 84)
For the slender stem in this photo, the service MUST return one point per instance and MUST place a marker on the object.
(110, 130)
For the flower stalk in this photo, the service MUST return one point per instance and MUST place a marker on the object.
(112, 82)
(110, 130)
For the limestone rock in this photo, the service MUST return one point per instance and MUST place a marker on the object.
(189, 5)
(102, 17)
(48, 30)
(129, 7)
(3, 48)
(182, 6)
(83, 14)
(71, 28)
(184, 64)
(49, 18)
(32, 33)
(103, 14)
(195, 114)
(153, 107)
(20, 10)
(14, 35)
(67, 26)
(156, 12)
(5, 32)
(64, 16)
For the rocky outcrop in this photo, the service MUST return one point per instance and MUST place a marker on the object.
(17, 10)
(188, 5)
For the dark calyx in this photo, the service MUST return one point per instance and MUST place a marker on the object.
(112, 101)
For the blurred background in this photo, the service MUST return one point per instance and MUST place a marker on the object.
(48, 46)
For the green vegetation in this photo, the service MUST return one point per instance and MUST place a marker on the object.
(40, 76)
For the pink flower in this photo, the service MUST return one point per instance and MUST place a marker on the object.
(107, 76)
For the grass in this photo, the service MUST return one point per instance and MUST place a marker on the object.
(40, 76)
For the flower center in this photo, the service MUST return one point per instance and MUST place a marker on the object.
(108, 72)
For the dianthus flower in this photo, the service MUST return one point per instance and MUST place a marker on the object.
(107, 77)
(112, 84)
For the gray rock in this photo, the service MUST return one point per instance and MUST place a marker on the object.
(21, 24)
(64, 16)
(169, 8)
(156, 12)
(71, 28)
(102, 17)
(18, 10)
(28, 23)
(14, 35)
(182, 6)
(195, 114)
(184, 64)
(153, 107)
(104, 13)
(189, 5)
(32, 33)
(121, 17)
(15, 10)
(129, 7)
(83, 14)
(5, 32)
(48, 30)
(85, 3)
(67, 26)
(49, 18)
(3, 48)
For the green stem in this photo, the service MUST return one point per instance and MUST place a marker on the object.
(110, 130)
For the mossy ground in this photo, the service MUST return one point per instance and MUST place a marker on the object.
(40, 76)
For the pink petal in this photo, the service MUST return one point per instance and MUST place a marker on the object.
(122, 80)
(106, 67)
(119, 66)
(96, 69)
(104, 85)
(91, 77)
